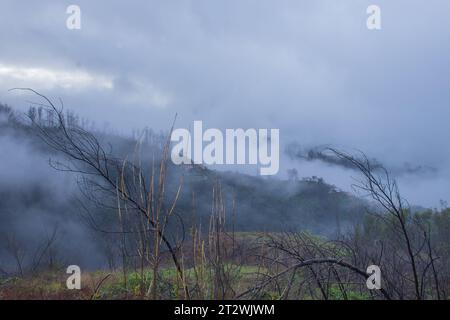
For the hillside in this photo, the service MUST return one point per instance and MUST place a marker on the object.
(35, 198)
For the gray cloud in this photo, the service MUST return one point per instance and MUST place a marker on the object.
(325, 155)
(310, 68)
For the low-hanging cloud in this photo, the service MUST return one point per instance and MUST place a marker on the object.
(322, 154)
(309, 68)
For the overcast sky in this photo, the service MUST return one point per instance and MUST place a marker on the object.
(310, 68)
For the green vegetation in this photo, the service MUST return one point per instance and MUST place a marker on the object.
(174, 232)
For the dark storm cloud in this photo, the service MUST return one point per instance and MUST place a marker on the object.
(309, 68)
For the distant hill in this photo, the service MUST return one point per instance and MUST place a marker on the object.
(260, 203)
